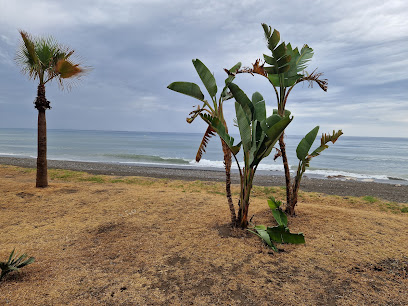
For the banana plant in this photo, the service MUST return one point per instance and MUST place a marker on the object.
(258, 136)
(302, 153)
(285, 68)
(14, 263)
(213, 107)
(279, 233)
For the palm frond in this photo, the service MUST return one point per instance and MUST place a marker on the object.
(44, 58)
(201, 149)
(26, 57)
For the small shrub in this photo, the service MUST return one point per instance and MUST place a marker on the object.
(14, 263)
(279, 233)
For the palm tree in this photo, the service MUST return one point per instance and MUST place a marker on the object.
(44, 59)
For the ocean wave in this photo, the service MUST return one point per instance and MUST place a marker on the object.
(16, 154)
(345, 174)
(205, 163)
(152, 159)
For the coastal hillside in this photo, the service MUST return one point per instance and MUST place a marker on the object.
(133, 240)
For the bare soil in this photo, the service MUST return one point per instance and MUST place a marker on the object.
(113, 240)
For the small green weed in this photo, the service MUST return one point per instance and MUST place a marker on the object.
(370, 199)
(138, 181)
(117, 181)
(394, 207)
(217, 192)
(95, 179)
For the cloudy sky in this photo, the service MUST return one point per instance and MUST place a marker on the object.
(138, 47)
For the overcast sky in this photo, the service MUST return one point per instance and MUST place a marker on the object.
(137, 48)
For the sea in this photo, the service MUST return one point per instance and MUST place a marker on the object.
(377, 159)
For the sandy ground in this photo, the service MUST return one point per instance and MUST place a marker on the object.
(121, 240)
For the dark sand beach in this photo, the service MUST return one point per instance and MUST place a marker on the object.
(389, 192)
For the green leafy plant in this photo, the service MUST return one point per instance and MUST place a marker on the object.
(285, 68)
(258, 136)
(214, 108)
(302, 153)
(279, 233)
(14, 263)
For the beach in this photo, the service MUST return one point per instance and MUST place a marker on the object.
(391, 192)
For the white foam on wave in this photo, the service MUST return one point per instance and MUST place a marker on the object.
(16, 154)
(344, 174)
(205, 163)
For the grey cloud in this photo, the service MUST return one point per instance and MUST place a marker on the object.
(137, 48)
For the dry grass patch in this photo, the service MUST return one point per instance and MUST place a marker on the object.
(131, 240)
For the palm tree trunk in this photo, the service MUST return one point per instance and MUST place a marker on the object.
(227, 164)
(41, 105)
(42, 178)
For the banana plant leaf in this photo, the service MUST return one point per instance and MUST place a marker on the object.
(226, 93)
(206, 77)
(286, 63)
(259, 106)
(243, 100)
(278, 214)
(280, 217)
(281, 234)
(187, 88)
(244, 127)
(305, 144)
(260, 231)
(220, 129)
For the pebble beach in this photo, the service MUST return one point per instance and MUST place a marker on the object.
(333, 186)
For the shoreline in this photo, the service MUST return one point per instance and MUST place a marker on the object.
(331, 186)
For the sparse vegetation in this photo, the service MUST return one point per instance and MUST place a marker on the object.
(95, 179)
(183, 250)
(370, 199)
(279, 233)
(14, 263)
(394, 207)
